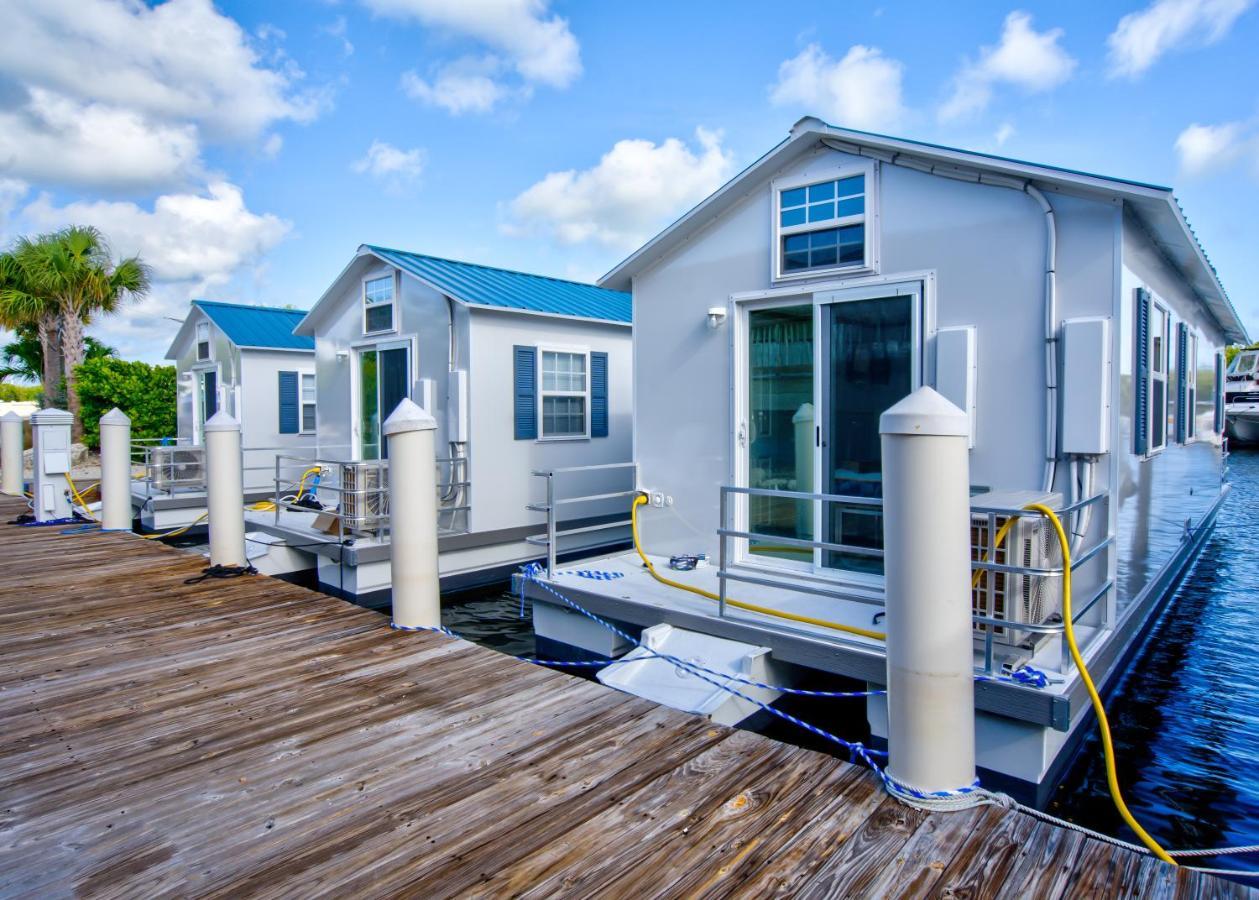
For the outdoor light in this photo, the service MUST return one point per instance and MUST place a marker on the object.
(716, 315)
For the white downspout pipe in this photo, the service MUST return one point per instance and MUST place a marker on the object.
(1051, 337)
(926, 535)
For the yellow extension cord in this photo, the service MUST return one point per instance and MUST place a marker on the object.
(79, 497)
(738, 604)
(1112, 777)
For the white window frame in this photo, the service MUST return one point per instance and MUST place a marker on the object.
(869, 219)
(197, 342)
(1157, 308)
(543, 393)
(393, 304)
(302, 402)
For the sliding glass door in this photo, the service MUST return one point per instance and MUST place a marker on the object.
(817, 374)
(384, 381)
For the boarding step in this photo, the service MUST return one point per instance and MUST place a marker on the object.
(645, 674)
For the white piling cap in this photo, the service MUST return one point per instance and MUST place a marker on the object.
(221, 421)
(10, 416)
(407, 416)
(51, 416)
(115, 417)
(803, 414)
(925, 412)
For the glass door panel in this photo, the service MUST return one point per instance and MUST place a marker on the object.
(868, 360)
(369, 405)
(780, 420)
(394, 381)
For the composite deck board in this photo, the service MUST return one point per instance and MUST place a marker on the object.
(246, 737)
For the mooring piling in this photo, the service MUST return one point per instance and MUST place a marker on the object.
(413, 517)
(224, 488)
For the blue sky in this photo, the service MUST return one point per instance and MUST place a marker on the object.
(246, 149)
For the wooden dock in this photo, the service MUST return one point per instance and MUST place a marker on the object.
(247, 737)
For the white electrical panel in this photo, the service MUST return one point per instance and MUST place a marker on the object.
(425, 398)
(956, 369)
(457, 406)
(1086, 364)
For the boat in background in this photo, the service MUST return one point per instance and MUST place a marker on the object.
(1241, 406)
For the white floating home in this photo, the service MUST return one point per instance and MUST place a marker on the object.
(243, 359)
(1074, 317)
(524, 375)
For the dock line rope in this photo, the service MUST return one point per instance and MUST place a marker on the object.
(221, 571)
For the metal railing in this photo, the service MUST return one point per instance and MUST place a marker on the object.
(550, 538)
(360, 507)
(727, 572)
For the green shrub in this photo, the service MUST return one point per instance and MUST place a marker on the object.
(145, 393)
(19, 392)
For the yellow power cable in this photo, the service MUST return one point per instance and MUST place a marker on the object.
(269, 505)
(1112, 777)
(178, 531)
(764, 610)
(77, 496)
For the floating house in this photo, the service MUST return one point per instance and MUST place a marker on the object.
(524, 374)
(245, 360)
(1073, 317)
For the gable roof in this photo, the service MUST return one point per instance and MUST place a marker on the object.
(489, 287)
(1154, 206)
(250, 327)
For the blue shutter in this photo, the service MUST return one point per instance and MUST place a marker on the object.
(598, 395)
(525, 381)
(1182, 381)
(290, 418)
(1219, 393)
(1141, 377)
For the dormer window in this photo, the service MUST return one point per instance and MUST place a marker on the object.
(378, 304)
(821, 226)
(203, 341)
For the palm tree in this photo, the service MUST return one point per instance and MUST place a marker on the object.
(74, 270)
(22, 305)
(22, 358)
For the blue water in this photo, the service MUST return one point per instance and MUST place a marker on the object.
(1185, 722)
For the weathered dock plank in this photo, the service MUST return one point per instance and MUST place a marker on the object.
(246, 737)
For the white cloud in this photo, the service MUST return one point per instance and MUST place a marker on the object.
(272, 146)
(203, 237)
(391, 164)
(1142, 37)
(862, 90)
(1026, 58)
(635, 189)
(1202, 148)
(53, 139)
(177, 61)
(339, 30)
(466, 85)
(1004, 133)
(540, 45)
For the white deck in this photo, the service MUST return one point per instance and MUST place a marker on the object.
(637, 585)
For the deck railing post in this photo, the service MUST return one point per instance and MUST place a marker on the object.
(225, 490)
(115, 471)
(11, 465)
(413, 517)
(926, 527)
(551, 526)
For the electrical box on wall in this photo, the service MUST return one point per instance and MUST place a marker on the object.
(425, 398)
(1086, 364)
(956, 369)
(457, 405)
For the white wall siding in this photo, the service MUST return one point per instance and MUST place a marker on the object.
(500, 466)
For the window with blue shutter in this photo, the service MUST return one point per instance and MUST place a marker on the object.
(1182, 381)
(525, 386)
(1219, 393)
(1141, 376)
(290, 420)
(598, 395)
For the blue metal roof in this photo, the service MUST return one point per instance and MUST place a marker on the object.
(505, 289)
(268, 327)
